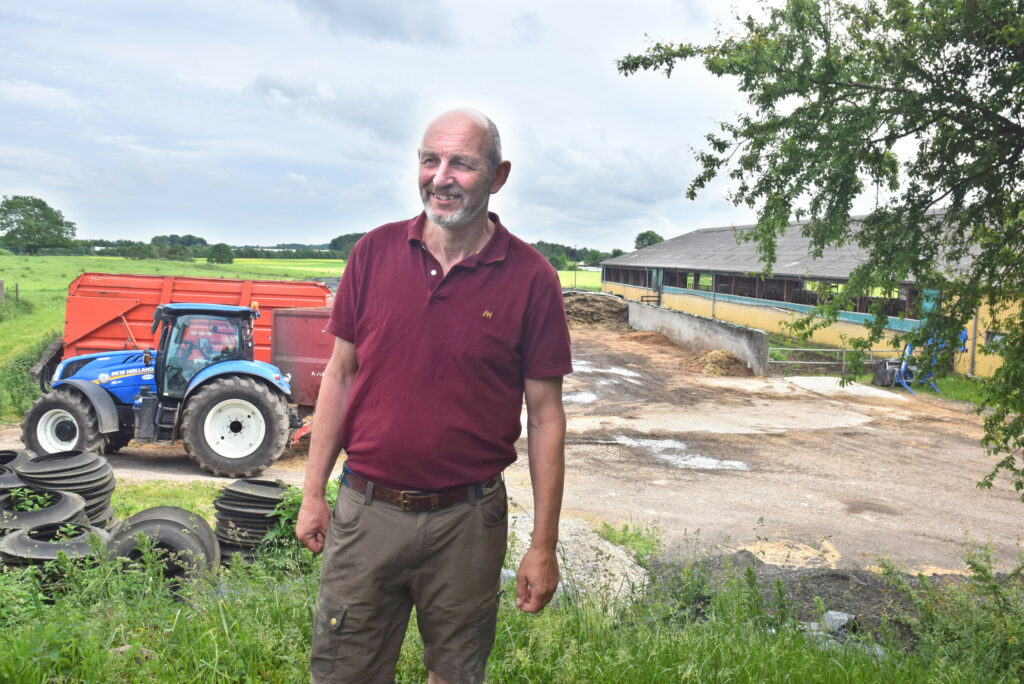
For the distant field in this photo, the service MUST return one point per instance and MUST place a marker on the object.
(584, 280)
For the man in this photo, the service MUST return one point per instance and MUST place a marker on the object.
(443, 323)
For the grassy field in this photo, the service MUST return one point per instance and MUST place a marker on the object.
(111, 621)
(581, 280)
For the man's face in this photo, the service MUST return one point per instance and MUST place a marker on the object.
(455, 178)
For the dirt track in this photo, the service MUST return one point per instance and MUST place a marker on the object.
(799, 470)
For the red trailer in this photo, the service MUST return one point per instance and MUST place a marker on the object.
(108, 312)
(108, 315)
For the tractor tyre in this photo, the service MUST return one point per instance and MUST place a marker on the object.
(62, 420)
(235, 427)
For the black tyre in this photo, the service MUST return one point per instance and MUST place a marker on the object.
(9, 478)
(189, 520)
(66, 507)
(43, 543)
(235, 427)
(62, 420)
(185, 541)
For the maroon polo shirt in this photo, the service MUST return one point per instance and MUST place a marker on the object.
(437, 398)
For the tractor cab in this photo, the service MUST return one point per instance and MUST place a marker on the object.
(195, 336)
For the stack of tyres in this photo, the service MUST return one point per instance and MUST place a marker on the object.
(82, 472)
(245, 514)
(9, 460)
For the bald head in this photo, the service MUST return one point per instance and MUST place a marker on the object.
(492, 152)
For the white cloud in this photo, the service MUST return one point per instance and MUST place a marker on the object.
(193, 115)
(403, 21)
(36, 95)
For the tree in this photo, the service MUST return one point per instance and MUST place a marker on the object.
(646, 239)
(175, 252)
(559, 262)
(917, 105)
(220, 253)
(345, 243)
(140, 251)
(187, 240)
(30, 223)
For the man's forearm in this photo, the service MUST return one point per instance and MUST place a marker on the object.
(546, 445)
(332, 401)
(547, 475)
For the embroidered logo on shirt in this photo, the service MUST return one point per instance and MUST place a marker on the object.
(488, 314)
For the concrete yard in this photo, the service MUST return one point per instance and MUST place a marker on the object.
(799, 470)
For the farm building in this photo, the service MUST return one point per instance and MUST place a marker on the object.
(707, 273)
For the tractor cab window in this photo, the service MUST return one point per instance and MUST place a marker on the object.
(194, 343)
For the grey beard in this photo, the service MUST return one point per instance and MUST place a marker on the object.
(460, 218)
(456, 220)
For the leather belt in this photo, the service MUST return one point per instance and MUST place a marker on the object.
(418, 501)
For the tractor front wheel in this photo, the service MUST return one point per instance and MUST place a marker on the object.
(235, 427)
(62, 420)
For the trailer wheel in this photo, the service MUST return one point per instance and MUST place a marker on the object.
(235, 427)
(62, 420)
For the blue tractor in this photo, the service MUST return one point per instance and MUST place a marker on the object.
(201, 386)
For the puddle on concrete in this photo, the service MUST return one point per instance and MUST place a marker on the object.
(579, 398)
(580, 366)
(674, 452)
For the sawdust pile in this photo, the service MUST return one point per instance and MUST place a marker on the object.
(591, 310)
(719, 362)
(655, 339)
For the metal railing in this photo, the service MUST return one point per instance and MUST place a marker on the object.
(840, 358)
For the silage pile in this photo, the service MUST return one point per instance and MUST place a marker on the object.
(593, 310)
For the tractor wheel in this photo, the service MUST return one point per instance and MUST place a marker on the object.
(235, 427)
(62, 420)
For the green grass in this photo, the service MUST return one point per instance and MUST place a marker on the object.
(581, 280)
(951, 386)
(643, 539)
(130, 498)
(111, 621)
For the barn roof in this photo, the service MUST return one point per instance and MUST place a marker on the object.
(716, 250)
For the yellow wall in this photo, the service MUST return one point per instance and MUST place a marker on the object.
(767, 318)
(773, 320)
(983, 365)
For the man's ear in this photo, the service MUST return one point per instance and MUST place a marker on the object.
(500, 176)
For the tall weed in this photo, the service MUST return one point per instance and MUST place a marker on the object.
(975, 626)
(17, 387)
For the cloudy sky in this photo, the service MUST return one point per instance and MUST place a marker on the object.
(270, 121)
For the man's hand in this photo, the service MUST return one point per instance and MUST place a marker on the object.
(311, 525)
(537, 580)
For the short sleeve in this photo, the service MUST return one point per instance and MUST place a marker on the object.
(342, 322)
(546, 345)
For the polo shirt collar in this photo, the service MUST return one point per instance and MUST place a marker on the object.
(494, 251)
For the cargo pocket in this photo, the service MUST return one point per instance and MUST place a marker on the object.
(326, 645)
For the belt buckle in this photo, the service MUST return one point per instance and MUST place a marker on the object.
(405, 504)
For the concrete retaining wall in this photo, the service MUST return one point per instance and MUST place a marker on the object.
(747, 344)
